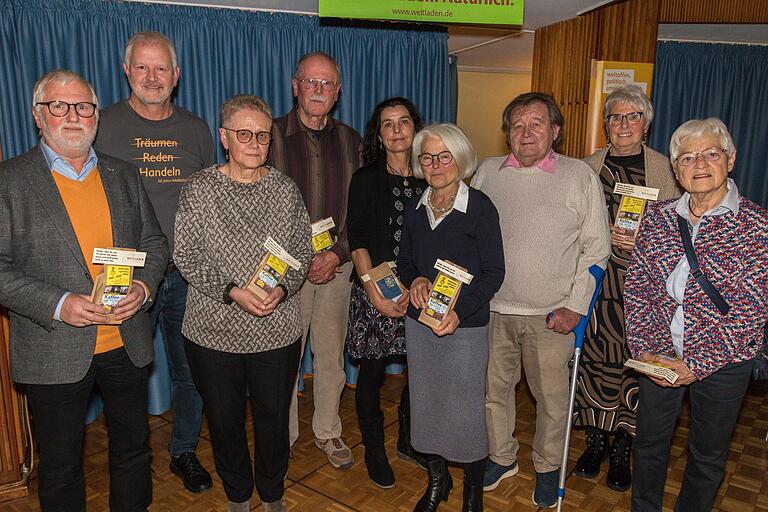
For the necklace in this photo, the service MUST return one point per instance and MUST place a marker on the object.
(440, 211)
(402, 174)
(690, 208)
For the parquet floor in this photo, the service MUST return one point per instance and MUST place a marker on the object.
(313, 485)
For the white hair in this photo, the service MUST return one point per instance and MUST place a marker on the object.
(149, 39)
(455, 140)
(633, 95)
(698, 128)
(61, 77)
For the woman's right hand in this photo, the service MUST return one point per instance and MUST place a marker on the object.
(621, 240)
(390, 308)
(420, 292)
(250, 303)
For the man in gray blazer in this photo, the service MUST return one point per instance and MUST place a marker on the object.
(58, 202)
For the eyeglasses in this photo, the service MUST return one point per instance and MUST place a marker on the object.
(310, 84)
(245, 136)
(617, 119)
(444, 157)
(61, 108)
(709, 155)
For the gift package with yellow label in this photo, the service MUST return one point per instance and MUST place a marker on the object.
(634, 199)
(271, 270)
(321, 235)
(114, 283)
(444, 292)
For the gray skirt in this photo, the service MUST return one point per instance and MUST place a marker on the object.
(447, 387)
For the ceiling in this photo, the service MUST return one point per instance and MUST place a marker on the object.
(508, 50)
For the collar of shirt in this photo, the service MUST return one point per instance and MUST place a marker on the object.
(295, 125)
(730, 203)
(546, 164)
(460, 203)
(58, 164)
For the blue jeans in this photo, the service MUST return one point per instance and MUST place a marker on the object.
(187, 405)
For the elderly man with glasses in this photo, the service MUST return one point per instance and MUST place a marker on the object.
(59, 202)
(320, 154)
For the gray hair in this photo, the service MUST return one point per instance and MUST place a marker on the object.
(633, 95)
(239, 102)
(61, 77)
(149, 39)
(698, 128)
(455, 141)
(311, 55)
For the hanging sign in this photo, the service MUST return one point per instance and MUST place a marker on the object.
(480, 12)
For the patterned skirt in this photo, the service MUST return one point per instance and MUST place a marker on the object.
(371, 335)
(607, 392)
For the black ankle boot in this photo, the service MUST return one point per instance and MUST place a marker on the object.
(379, 470)
(439, 486)
(588, 465)
(619, 476)
(473, 498)
(404, 449)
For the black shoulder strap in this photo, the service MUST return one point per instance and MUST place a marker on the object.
(700, 278)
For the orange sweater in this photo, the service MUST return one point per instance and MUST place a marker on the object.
(93, 227)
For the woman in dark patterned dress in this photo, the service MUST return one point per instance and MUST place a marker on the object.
(378, 194)
(607, 392)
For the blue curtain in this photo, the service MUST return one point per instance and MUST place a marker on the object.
(693, 80)
(221, 52)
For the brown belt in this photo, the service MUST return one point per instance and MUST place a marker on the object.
(170, 268)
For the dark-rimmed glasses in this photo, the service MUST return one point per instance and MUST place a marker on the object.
(310, 84)
(444, 157)
(617, 119)
(709, 155)
(245, 136)
(61, 108)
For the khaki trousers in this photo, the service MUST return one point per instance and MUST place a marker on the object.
(326, 308)
(518, 341)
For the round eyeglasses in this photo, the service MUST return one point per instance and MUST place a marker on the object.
(61, 108)
(245, 136)
(617, 119)
(310, 84)
(444, 157)
(708, 155)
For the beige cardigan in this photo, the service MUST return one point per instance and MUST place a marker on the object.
(658, 171)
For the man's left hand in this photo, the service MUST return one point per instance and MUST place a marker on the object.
(131, 303)
(563, 320)
(324, 267)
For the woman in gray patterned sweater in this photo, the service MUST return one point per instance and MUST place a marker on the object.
(236, 342)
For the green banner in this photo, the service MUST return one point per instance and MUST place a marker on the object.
(481, 12)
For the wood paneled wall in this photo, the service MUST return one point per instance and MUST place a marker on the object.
(563, 54)
(714, 11)
(12, 434)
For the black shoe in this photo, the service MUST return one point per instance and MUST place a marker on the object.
(404, 449)
(379, 470)
(588, 465)
(619, 476)
(192, 473)
(439, 486)
(473, 498)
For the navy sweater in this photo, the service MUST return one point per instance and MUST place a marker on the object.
(471, 240)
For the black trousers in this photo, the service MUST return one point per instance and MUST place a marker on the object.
(59, 412)
(715, 403)
(226, 381)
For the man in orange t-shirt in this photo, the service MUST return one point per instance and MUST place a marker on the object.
(59, 202)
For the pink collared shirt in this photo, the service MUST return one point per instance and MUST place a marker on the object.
(546, 164)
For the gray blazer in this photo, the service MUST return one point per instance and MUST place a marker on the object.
(40, 260)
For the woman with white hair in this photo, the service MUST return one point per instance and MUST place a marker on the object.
(607, 393)
(696, 301)
(447, 364)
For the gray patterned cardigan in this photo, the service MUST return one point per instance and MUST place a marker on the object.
(221, 226)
